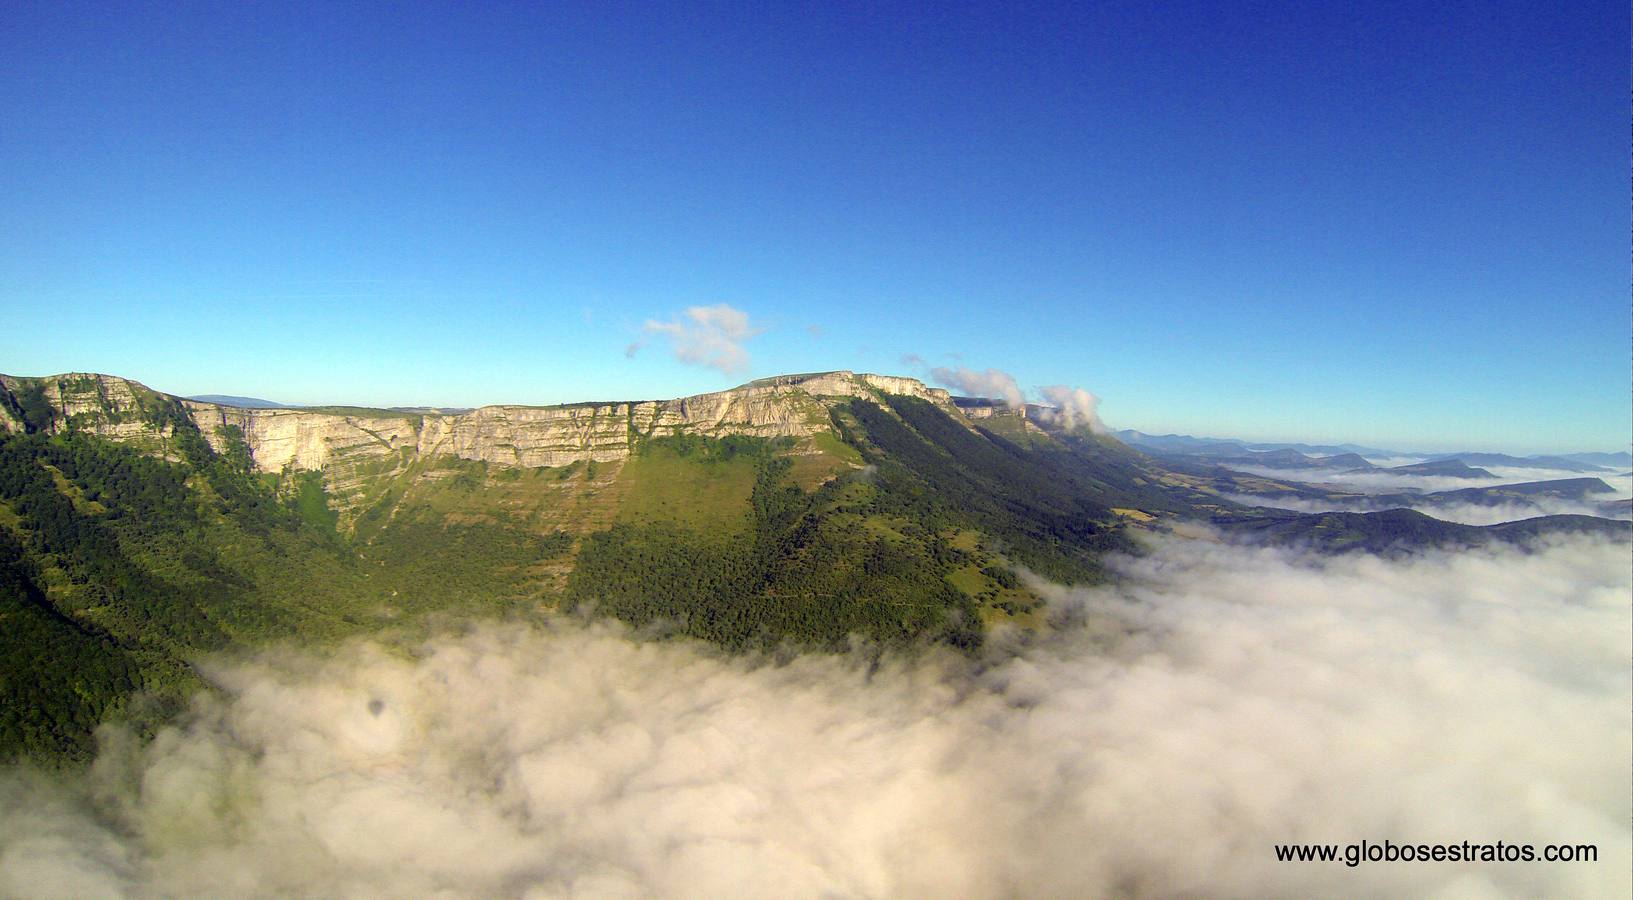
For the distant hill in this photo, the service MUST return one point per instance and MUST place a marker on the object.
(1616, 509)
(1325, 449)
(1178, 443)
(1186, 444)
(1353, 461)
(1524, 494)
(1446, 468)
(1292, 459)
(1608, 460)
(1563, 464)
(240, 402)
(1564, 488)
(1401, 530)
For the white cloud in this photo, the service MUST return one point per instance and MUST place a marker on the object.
(708, 336)
(1216, 701)
(1073, 408)
(992, 383)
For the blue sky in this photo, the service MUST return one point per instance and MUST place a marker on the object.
(1400, 224)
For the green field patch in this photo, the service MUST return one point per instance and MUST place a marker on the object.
(887, 527)
(74, 493)
(821, 458)
(312, 502)
(698, 491)
(969, 580)
(1135, 514)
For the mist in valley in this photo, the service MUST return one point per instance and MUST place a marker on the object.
(1466, 513)
(1157, 740)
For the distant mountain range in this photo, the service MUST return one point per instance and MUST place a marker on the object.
(1538, 496)
(1317, 456)
(1560, 463)
(1444, 468)
(240, 402)
(1287, 459)
(1610, 460)
(257, 403)
(1184, 443)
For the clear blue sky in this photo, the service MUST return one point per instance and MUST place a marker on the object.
(1390, 223)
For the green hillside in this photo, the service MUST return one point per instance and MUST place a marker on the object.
(120, 568)
(889, 519)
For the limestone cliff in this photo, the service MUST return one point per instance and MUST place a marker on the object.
(531, 436)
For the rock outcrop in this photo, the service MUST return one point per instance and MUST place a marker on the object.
(532, 436)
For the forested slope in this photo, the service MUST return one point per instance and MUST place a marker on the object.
(894, 520)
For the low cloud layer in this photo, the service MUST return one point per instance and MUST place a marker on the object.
(707, 336)
(992, 383)
(1465, 513)
(1380, 482)
(1220, 699)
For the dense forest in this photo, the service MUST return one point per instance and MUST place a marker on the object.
(118, 567)
(801, 576)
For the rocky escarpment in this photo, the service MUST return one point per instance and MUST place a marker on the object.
(316, 439)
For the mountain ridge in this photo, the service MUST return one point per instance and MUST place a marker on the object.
(554, 434)
(342, 441)
(139, 530)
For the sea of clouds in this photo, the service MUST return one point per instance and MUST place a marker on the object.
(1464, 513)
(1377, 482)
(1157, 742)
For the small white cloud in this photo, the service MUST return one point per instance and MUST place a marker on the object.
(992, 383)
(708, 336)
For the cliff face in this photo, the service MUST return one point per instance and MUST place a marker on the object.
(302, 439)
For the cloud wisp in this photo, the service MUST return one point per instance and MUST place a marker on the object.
(1067, 407)
(1158, 742)
(993, 384)
(712, 336)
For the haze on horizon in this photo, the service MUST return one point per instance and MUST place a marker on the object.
(1394, 225)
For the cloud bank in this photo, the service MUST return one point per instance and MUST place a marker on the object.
(1220, 699)
(1465, 513)
(707, 336)
(1073, 408)
(993, 383)
(1068, 407)
(1379, 482)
